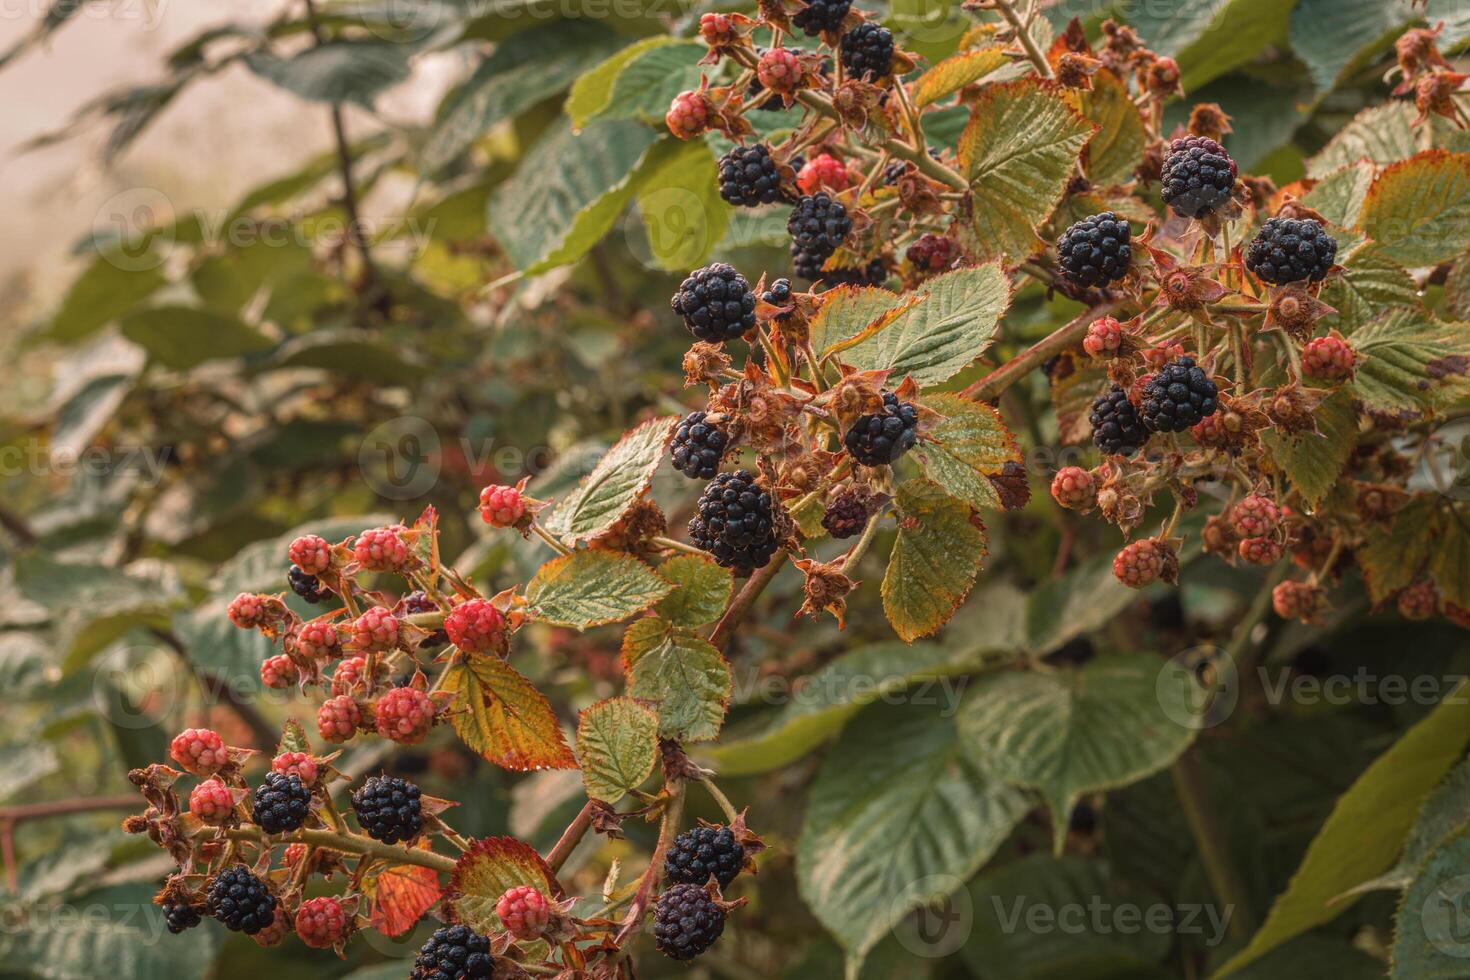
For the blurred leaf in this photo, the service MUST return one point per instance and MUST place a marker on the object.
(112, 285)
(1418, 209)
(1394, 552)
(1429, 938)
(1445, 813)
(934, 562)
(642, 86)
(1329, 36)
(347, 352)
(679, 200)
(503, 717)
(181, 337)
(1381, 134)
(592, 588)
(88, 411)
(1209, 37)
(965, 447)
(1339, 195)
(592, 92)
(702, 590)
(679, 671)
(22, 766)
(617, 743)
(92, 605)
(617, 481)
(337, 71)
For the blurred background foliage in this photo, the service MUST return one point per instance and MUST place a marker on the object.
(212, 380)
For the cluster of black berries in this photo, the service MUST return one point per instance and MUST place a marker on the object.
(779, 294)
(875, 273)
(716, 303)
(1178, 396)
(388, 809)
(686, 922)
(698, 447)
(1291, 250)
(735, 522)
(1116, 428)
(703, 851)
(281, 803)
(818, 226)
(306, 586)
(241, 901)
(454, 953)
(846, 515)
(821, 15)
(1095, 250)
(749, 176)
(883, 436)
(867, 51)
(1198, 176)
(180, 918)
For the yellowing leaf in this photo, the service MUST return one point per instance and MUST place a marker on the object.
(682, 674)
(491, 867)
(967, 445)
(934, 562)
(1418, 209)
(954, 73)
(617, 741)
(591, 588)
(679, 200)
(847, 312)
(501, 715)
(1114, 150)
(617, 480)
(1411, 362)
(1313, 460)
(1018, 152)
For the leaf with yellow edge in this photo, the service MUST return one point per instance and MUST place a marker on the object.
(1418, 209)
(490, 868)
(965, 447)
(847, 312)
(615, 483)
(1114, 150)
(592, 588)
(934, 561)
(500, 714)
(954, 73)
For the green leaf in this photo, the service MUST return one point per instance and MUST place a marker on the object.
(1369, 285)
(25, 765)
(644, 86)
(337, 71)
(952, 323)
(182, 337)
(490, 868)
(592, 92)
(1418, 209)
(1366, 829)
(1081, 601)
(1382, 134)
(681, 673)
(1110, 723)
(111, 286)
(1209, 37)
(592, 588)
(617, 742)
(88, 410)
(537, 64)
(679, 199)
(934, 561)
(502, 716)
(965, 447)
(702, 590)
(1429, 938)
(567, 193)
(347, 352)
(1018, 152)
(899, 811)
(1445, 813)
(92, 605)
(1339, 196)
(848, 311)
(1314, 460)
(617, 481)
(1411, 362)
(1330, 35)
(955, 72)
(1393, 553)
(1114, 150)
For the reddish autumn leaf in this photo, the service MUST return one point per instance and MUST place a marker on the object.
(502, 716)
(401, 894)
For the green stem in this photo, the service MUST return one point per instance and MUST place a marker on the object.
(351, 844)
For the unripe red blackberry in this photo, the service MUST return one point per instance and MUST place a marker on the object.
(241, 901)
(212, 802)
(779, 70)
(716, 303)
(1074, 489)
(933, 253)
(846, 515)
(1255, 516)
(688, 115)
(319, 641)
(1116, 428)
(1095, 251)
(735, 522)
(1300, 601)
(686, 922)
(349, 678)
(1291, 250)
(250, 612)
(404, 715)
(1140, 563)
(381, 550)
(881, 437)
(297, 764)
(698, 446)
(1328, 359)
(821, 15)
(376, 630)
(338, 718)
(749, 176)
(279, 672)
(1261, 551)
(867, 51)
(501, 506)
(1199, 176)
(1419, 601)
(476, 627)
(1104, 337)
(823, 172)
(1178, 396)
(282, 803)
(322, 922)
(199, 751)
(524, 912)
(717, 30)
(310, 553)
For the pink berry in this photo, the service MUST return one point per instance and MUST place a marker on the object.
(381, 550)
(524, 912)
(296, 764)
(1328, 359)
(211, 802)
(1261, 551)
(348, 678)
(1074, 488)
(338, 718)
(688, 115)
(319, 641)
(717, 30)
(779, 70)
(321, 922)
(1298, 600)
(1255, 516)
(475, 626)
(279, 672)
(311, 554)
(375, 630)
(1104, 337)
(1419, 601)
(1140, 563)
(404, 715)
(502, 506)
(250, 612)
(823, 172)
(199, 751)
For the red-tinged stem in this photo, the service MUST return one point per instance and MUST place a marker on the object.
(570, 838)
(668, 829)
(739, 606)
(1034, 356)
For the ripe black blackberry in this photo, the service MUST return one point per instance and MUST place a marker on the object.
(701, 852)
(846, 515)
(417, 602)
(686, 922)
(1291, 250)
(716, 303)
(281, 803)
(1116, 428)
(241, 901)
(818, 225)
(388, 809)
(808, 265)
(779, 294)
(749, 177)
(875, 273)
(735, 522)
(1198, 176)
(821, 15)
(180, 918)
(306, 586)
(867, 51)
(454, 953)
(698, 447)
(882, 437)
(1178, 396)
(1095, 250)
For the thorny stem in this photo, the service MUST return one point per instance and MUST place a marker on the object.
(1034, 356)
(570, 838)
(351, 844)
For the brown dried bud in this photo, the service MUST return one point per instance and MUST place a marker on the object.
(1076, 71)
(1295, 311)
(703, 364)
(826, 588)
(1208, 119)
(1379, 501)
